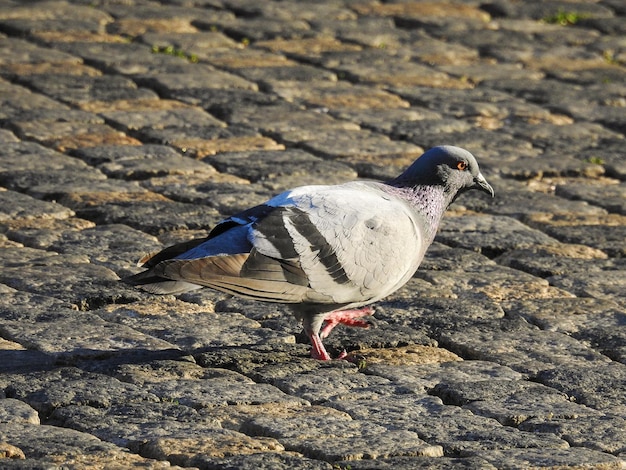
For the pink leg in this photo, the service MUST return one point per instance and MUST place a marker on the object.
(318, 351)
(346, 317)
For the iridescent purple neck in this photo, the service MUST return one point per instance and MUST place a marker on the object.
(429, 201)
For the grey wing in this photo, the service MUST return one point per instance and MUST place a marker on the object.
(228, 261)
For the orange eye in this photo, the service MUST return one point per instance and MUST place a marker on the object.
(461, 166)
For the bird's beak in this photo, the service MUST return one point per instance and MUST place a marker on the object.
(481, 183)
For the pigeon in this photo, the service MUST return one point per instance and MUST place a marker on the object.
(329, 251)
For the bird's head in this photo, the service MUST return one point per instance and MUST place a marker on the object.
(454, 168)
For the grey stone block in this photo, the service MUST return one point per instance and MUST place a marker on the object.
(82, 89)
(269, 165)
(597, 387)
(490, 234)
(141, 162)
(610, 197)
(20, 206)
(16, 411)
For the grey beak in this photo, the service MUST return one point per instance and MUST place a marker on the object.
(481, 183)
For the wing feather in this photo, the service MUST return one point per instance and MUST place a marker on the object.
(249, 275)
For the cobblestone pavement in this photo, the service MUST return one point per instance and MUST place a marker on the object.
(127, 125)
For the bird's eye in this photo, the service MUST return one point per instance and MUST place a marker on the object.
(461, 165)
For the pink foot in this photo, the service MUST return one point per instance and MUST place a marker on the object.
(346, 317)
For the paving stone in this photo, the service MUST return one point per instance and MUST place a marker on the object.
(408, 463)
(465, 102)
(62, 446)
(462, 433)
(221, 445)
(19, 51)
(123, 58)
(384, 120)
(609, 197)
(169, 83)
(15, 71)
(272, 78)
(85, 194)
(580, 317)
(70, 334)
(152, 214)
(45, 28)
(317, 388)
(527, 168)
(263, 362)
(529, 353)
(589, 431)
(77, 90)
(27, 156)
(359, 145)
(148, 427)
(595, 387)
(226, 193)
(141, 162)
(511, 402)
(428, 375)
(397, 73)
(495, 283)
(165, 12)
(273, 165)
(414, 130)
(16, 411)
(604, 233)
(308, 48)
(47, 391)
(139, 118)
(281, 118)
(260, 461)
(46, 184)
(251, 29)
(497, 234)
(8, 136)
(442, 257)
(552, 136)
(366, 31)
(116, 247)
(28, 114)
(362, 343)
(212, 393)
(53, 10)
(480, 72)
(20, 206)
(429, 16)
(83, 285)
(519, 203)
(189, 40)
(328, 95)
(232, 60)
(216, 141)
(192, 327)
(555, 458)
(289, 11)
(416, 354)
(311, 434)
(41, 233)
(387, 411)
(435, 311)
(198, 142)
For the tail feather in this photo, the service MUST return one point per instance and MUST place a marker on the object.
(249, 275)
